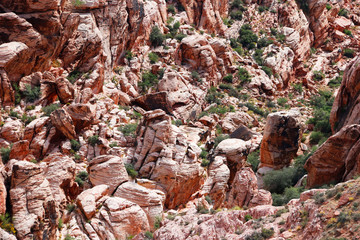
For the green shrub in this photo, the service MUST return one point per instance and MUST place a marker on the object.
(31, 93)
(304, 5)
(243, 75)
(74, 76)
(128, 129)
(343, 218)
(81, 177)
(47, 110)
(236, 15)
(202, 209)
(153, 57)
(254, 159)
(315, 137)
(70, 208)
(156, 37)
(77, 3)
(248, 39)
(75, 145)
(336, 82)
(318, 76)
(157, 223)
(273, 31)
(148, 80)
(60, 224)
(13, 114)
(69, 237)
(319, 198)
(298, 87)
(180, 36)
(263, 9)
(131, 170)
(228, 78)
(27, 119)
(205, 163)
(267, 70)
(258, 57)
(113, 144)
(348, 32)
(349, 53)
(255, 109)
(6, 223)
(280, 38)
(247, 217)
(195, 75)
(282, 101)
(208, 199)
(171, 9)
(213, 96)
(267, 233)
(203, 153)
(328, 7)
(276, 181)
(149, 235)
(284, 198)
(128, 55)
(93, 140)
(5, 154)
(177, 122)
(343, 12)
(219, 139)
(263, 42)
(16, 89)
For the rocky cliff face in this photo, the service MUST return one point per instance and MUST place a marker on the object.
(179, 119)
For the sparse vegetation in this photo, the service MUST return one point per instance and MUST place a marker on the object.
(156, 37)
(248, 38)
(153, 57)
(148, 80)
(254, 159)
(75, 145)
(6, 223)
(49, 109)
(343, 12)
(318, 76)
(349, 53)
(93, 140)
(5, 154)
(131, 170)
(81, 178)
(228, 78)
(31, 93)
(128, 129)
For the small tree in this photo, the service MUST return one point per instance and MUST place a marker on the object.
(156, 37)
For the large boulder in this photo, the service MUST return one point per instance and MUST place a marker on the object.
(12, 130)
(62, 121)
(150, 200)
(337, 159)
(164, 155)
(346, 107)
(281, 139)
(33, 206)
(107, 169)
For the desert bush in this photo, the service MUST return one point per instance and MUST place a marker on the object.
(128, 129)
(282, 101)
(228, 78)
(93, 140)
(315, 137)
(70, 207)
(129, 55)
(348, 32)
(47, 110)
(267, 70)
(81, 177)
(248, 38)
(6, 223)
(31, 93)
(131, 170)
(171, 9)
(148, 80)
(254, 159)
(156, 37)
(318, 76)
(343, 12)
(5, 154)
(243, 75)
(263, 8)
(349, 53)
(263, 42)
(219, 139)
(258, 57)
(75, 145)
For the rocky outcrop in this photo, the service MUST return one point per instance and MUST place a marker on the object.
(33, 206)
(230, 183)
(345, 110)
(150, 200)
(20, 150)
(3, 192)
(298, 34)
(109, 170)
(89, 200)
(12, 130)
(163, 155)
(7, 94)
(212, 58)
(281, 139)
(62, 121)
(337, 159)
(207, 14)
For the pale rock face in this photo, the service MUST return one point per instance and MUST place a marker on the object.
(281, 62)
(281, 139)
(336, 159)
(36, 133)
(107, 169)
(210, 18)
(60, 172)
(290, 17)
(151, 201)
(125, 218)
(62, 121)
(10, 51)
(31, 200)
(12, 130)
(3, 192)
(88, 199)
(232, 120)
(210, 57)
(7, 94)
(164, 155)
(5, 235)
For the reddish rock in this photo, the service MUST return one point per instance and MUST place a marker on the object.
(7, 94)
(281, 139)
(3, 192)
(20, 150)
(337, 159)
(12, 130)
(63, 122)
